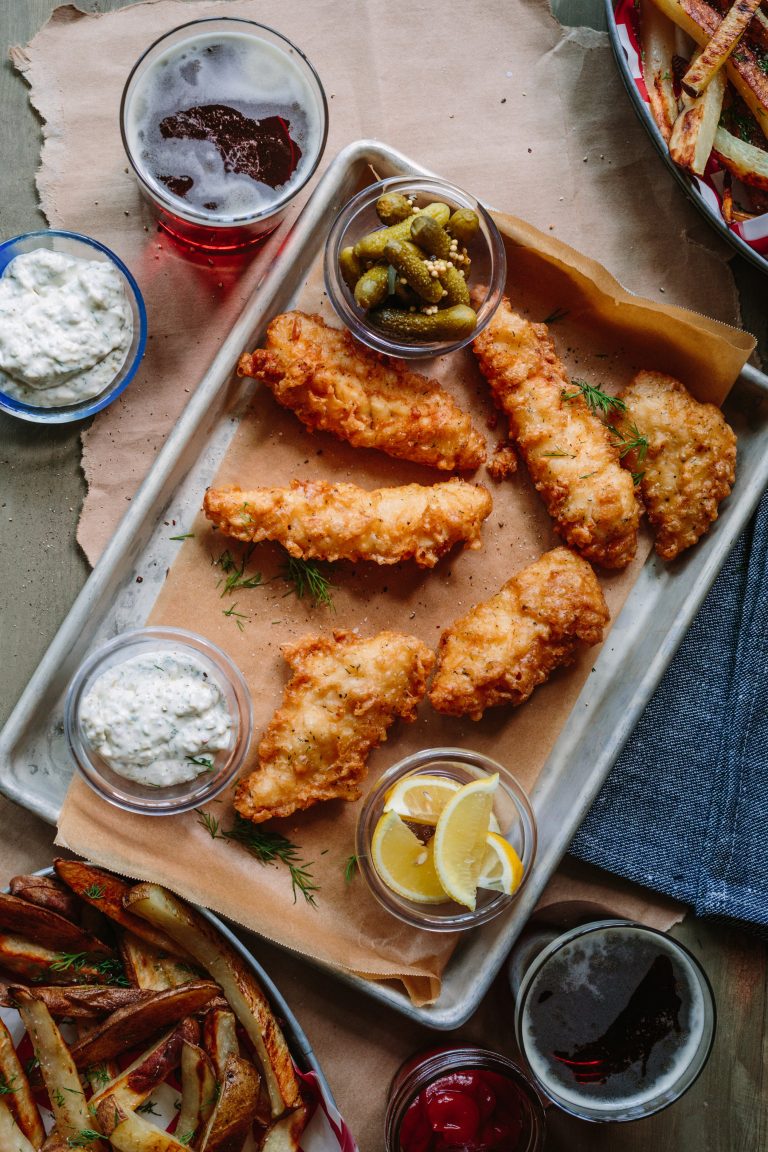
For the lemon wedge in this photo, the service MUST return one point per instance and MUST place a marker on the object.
(460, 839)
(502, 868)
(421, 798)
(405, 864)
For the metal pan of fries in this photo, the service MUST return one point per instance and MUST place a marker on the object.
(697, 75)
(126, 1043)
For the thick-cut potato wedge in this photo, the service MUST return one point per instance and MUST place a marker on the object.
(220, 1037)
(20, 1098)
(199, 1092)
(132, 1086)
(284, 1134)
(38, 965)
(48, 928)
(750, 164)
(58, 1071)
(12, 1139)
(148, 967)
(235, 1109)
(657, 37)
(47, 892)
(693, 134)
(137, 1022)
(193, 932)
(714, 55)
(80, 1001)
(128, 1132)
(84, 878)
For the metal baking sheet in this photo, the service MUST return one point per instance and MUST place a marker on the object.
(34, 761)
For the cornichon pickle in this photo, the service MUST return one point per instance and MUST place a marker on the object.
(457, 291)
(447, 324)
(463, 225)
(409, 261)
(371, 247)
(372, 287)
(350, 267)
(393, 207)
(427, 233)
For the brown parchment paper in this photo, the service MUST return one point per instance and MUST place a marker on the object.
(605, 335)
(496, 97)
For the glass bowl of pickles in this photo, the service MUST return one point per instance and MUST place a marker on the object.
(414, 267)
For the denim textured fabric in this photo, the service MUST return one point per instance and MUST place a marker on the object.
(685, 809)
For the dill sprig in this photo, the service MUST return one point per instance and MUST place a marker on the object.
(94, 892)
(351, 865)
(601, 403)
(66, 960)
(84, 1137)
(234, 573)
(201, 761)
(238, 617)
(307, 579)
(111, 968)
(267, 847)
(148, 1108)
(631, 441)
(208, 821)
(182, 536)
(6, 1085)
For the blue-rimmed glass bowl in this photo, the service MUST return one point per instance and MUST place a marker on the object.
(83, 248)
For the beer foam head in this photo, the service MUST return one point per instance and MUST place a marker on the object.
(243, 72)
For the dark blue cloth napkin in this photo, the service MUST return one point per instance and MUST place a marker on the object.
(685, 809)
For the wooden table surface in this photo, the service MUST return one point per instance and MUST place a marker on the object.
(41, 571)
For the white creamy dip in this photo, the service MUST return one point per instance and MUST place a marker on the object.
(65, 328)
(158, 718)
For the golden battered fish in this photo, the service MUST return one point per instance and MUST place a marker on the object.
(689, 465)
(335, 385)
(570, 454)
(344, 694)
(504, 648)
(320, 521)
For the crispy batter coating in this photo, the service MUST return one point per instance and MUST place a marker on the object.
(335, 385)
(570, 455)
(504, 648)
(690, 464)
(344, 694)
(320, 521)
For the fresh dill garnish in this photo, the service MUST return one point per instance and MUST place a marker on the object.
(268, 847)
(84, 1137)
(234, 573)
(558, 314)
(114, 972)
(600, 402)
(631, 441)
(307, 579)
(202, 762)
(94, 892)
(111, 968)
(32, 1065)
(148, 1108)
(6, 1085)
(66, 960)
(568, 455)
(351, 864)
(58, 1097)
(586, 475)
(183, 536)
(186, 1137)
(98, 1074)
(209, 822)
(238, 617)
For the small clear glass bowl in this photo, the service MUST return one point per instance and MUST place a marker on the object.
(146, 799)
(84, 248)
(487, 275)
(511, 808)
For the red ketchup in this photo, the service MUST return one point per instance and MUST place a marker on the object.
(463, 1100)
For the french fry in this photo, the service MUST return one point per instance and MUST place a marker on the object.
(750, 164)
(235, 1110)
(65, 1092)
(47, 928)
(11, 1136)
(35, 964)
(220, 1038)
(20, 1099)
(284, 1134)
(80, 1001)
(132, 1086)
(199, 1092)
(657, 36)
(193, 932)
(714, 55)
(105, 892)
(138, 1022)
(47, 892)
(148, 967)
(690, 144)
(128, 1132)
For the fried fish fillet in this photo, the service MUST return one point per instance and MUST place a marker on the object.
(344, 694)
(689, 465)
(570, 454)
(320, 521)
(504, 648)
(335, 385)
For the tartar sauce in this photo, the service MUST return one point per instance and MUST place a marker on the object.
(65, 328)
(158, 718)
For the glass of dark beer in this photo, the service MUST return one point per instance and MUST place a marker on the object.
(615, 1020)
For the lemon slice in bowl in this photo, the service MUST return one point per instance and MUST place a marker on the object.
(502, 868)
(460, 839)
(421, 798)
(404, 863)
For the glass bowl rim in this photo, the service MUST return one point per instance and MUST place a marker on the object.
(69, 413)
(189, 215)
(355, 320)
(201, 647)
(419, 915)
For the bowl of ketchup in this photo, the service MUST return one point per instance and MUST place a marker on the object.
(462, 1099)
